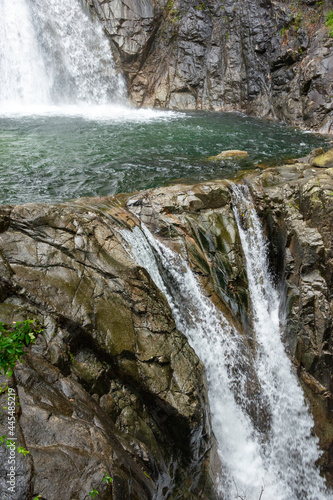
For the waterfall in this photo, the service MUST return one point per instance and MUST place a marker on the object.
(53, 53)
(280, 463)
(292, 450)
(23, 76)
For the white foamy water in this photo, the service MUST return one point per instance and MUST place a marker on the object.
(23, 75)
(218, 346)
(53, 53)
(292, 450)
(278, 464)
(55, 60)
(106, 113)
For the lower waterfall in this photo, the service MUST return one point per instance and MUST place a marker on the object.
(280, 462)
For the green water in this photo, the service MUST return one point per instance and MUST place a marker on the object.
(56, 158)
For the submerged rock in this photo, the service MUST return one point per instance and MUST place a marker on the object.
(232, 153)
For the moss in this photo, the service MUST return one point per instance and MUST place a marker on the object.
(329, 22)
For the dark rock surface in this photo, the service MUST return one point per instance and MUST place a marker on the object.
(268, 58)
(111, 385)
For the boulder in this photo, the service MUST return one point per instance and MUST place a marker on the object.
(324, 160)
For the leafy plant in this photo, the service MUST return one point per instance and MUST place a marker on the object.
(93, 493)
(107, 479)
(329, 22)
(13, 340)
(201, 6)
(172, 13)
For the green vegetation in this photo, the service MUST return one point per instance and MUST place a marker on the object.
(13, 340)
(93, 493)
(329, 22)
(172, 13)
(201, 6)
(106, 479)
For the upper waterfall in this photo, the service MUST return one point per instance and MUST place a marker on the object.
(53, 53)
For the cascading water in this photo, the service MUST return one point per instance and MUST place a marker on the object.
(292, 450)
(53, 53)
(23, 77)
(278, 463)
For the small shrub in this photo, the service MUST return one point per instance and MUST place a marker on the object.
(13, 340)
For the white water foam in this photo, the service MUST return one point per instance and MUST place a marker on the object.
(53, 53)
(23, 75)
(107, 113)
(218, 346)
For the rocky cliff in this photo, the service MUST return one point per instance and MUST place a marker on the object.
(111, 385)
(264, 57)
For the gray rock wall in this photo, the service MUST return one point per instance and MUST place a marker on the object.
(267, 58)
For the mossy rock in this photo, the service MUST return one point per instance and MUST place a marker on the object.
(325, 160)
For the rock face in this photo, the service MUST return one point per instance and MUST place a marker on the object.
(267, 58)
(111, 385)
(295, 203)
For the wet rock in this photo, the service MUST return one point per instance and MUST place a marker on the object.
(232, 153)
(110, 385)
(296, 205)
(324, 160)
